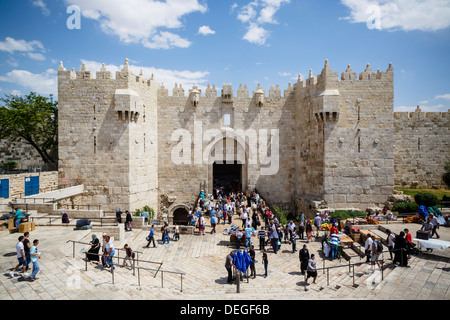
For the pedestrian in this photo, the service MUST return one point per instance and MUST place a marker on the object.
(273, 237)
(228, 265)
(304, 258)
(427, 227)
(265, 261)
(244, 217)
(20, 257)
(262, 238)
(312, 269)
(166, 233)
(390, 241)
(35, 256)
(151, 237)
(213, 223)
(26, 250)
(317, 223)
(128, 220)
(294, 239)
(119, 216)
(301, 230)
(17, 217)
(334, 240)
(92, 254)
(435, 224)
(201, 224)
(376, 251)
(248, 237)
(251, 253)
(176, 233)
(309, 231)
(400, 255)
(107, 260)
(130, 255)
(368, 247)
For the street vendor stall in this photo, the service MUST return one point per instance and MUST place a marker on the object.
(432, 244)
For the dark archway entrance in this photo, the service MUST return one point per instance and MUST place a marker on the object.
(181, 217)
(227, 176)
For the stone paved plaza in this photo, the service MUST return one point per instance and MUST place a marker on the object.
(201, 259)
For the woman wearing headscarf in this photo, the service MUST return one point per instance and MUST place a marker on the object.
(400, 255)
(92, 254)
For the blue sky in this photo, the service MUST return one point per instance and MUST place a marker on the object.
(230, 41)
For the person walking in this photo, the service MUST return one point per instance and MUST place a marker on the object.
(26, 249)
(376, 251)
(20, 256)
(262, 238)
(294, 239)
(151, 237)
(265, 261)
(251, 253)
(248, 237)
(128, 220)
(228, 266)
(312, 269)
(309, 231)
(400, 255)
(130, 255)
(304, 258)
(390, 241)
(368, 247)
(119, 216)
(273, 236)
(435, 223)
(35, 256)
(317, 223)
(213, 223)
(166, 233)
(109, 253)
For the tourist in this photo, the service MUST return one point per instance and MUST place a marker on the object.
(166, 233)
(301, 230)
(286, 234)
(273, 237)
(435, 224)
(400, 250)
(375, 253)
(228, 265)
(20, 257)
(130, 255)
(265, 261)
(244, 217)
(333, 229)
(151, 237)
(176, 233)
(35, 256)
(128, 221)
(309, 231)
(294, 239)
(311, 269)
(26, 249)
(92, 254)
(317, 223)
(213, 223)
(251, 253)
(368, 247)
(334, 240)
(119, 216)
(304, 258)
(262, 238)
(201, 224)
(248, 237)
(390, 241)
(107, 260)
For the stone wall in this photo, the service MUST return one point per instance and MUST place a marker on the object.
(47, 181)
(23, 154)
(422, 147)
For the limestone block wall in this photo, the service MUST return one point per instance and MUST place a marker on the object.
(23, 154)
(102, 122)
(47, 180)
(422, 147)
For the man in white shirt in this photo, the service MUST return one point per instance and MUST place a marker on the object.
(244, 217)
(368, 247)
(20, 256)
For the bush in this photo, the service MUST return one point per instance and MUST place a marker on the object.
(406, 207)
(426, 199)
(346, 214)
(281, 215)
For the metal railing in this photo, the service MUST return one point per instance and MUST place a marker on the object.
(134, 267)
(50, 218)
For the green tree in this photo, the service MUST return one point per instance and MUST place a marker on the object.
(446, 175)
(34, 119)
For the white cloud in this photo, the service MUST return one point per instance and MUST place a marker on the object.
(41, 83)
(425, 15)
(284, 74)
(141, 21)
(443, 96)
(167, 76)
(257, 13)
(41, 4)
(12, 45)
(205, 30)
(16, 93)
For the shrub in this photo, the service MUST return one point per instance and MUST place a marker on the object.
(406, 207)
(346, 214)
(426, 199)
(281, 215)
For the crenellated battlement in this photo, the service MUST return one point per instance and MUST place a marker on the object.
(418, 114)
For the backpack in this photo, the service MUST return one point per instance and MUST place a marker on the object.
(379, 246)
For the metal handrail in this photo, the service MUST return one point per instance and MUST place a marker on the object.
(133, 266)
(67, 224)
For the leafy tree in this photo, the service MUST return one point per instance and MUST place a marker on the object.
(446, 175)
(34, 119)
